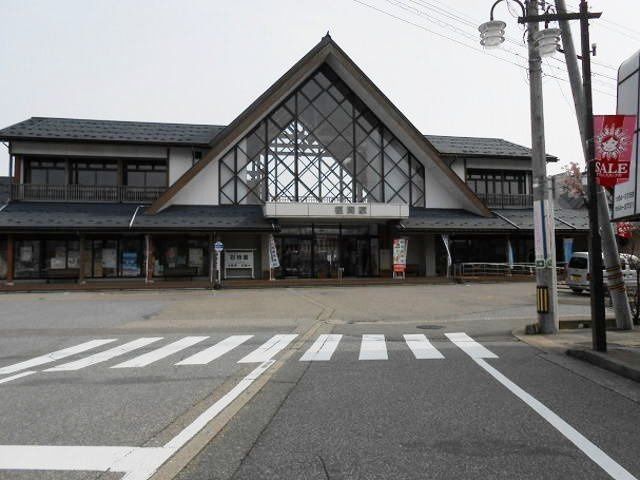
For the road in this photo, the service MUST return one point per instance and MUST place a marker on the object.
(371, 383)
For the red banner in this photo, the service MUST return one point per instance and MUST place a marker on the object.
(613, 138)
(624, 229)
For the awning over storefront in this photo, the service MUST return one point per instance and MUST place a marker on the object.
(25, 216)
(207, 217)
(507, 220)
(64, 216)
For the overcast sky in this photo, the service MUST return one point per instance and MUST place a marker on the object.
(204, 61)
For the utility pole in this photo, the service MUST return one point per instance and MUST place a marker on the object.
(609, 246)
(545, 245)
(598, 325)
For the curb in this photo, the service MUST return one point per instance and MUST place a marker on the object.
(603, 361)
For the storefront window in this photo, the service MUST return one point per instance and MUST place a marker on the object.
(180, 257)
(62, 255)
(27, 258)
(105, 258)
(3, 258)
(131, 257)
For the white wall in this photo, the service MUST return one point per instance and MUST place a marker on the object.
(88, 149)
(180, 160)
(499, 163)
(201, 189)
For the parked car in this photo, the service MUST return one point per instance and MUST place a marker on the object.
(578, 271)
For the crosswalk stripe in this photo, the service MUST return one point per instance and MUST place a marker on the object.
(421, 347)
(373, 347)
(160, 353)
(469, 346)
(215, 351)
(53, 356)
(268, 349)
(105, 355)
(322, 349)
(17, 376)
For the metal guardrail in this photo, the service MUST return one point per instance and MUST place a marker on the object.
(85, 193)
(495, 269)
(506, 200)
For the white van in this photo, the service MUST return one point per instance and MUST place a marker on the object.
(578, 271)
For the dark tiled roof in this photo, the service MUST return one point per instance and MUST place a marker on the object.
(452, 220)
(52, 216)
(194, 217)
(479, 146)
(118, 216)
(72, 129)
(577, 219)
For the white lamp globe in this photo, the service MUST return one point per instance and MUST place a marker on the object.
(548, 41)
(492, 33)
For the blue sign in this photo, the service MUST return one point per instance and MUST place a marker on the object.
(218, 246)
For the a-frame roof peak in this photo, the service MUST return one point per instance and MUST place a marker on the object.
(326, 51)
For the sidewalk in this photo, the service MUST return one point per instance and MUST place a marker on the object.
(623, 348)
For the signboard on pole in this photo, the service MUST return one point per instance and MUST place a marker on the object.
(613, 139)
(218, 246)
(626, 202)
(400, 256)
(274, 261)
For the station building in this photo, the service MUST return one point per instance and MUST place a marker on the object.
(322, 162)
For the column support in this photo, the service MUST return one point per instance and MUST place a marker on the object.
(81, 272)
(10, 260)
(149, 259)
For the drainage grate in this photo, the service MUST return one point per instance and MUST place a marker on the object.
(430, 327)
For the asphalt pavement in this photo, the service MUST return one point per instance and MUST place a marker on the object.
(351, 383)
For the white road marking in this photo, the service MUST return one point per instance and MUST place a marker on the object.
(603, 460)
(322, 349)
(105, 355)
(469, 346)
(160, 353)
(216, 351)
(268, 349)
(373, 347)
(53, 356)
(139, 463)
(421, 347)
(17, 376)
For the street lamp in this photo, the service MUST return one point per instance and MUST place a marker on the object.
(540, 43)
(545, 43)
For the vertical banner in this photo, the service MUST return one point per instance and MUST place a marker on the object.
(400, 255)
(567, 247)
(510, 255)
(543, 216)
(613, 139)
(274, 261)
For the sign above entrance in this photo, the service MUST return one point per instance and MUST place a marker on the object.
(351, 211)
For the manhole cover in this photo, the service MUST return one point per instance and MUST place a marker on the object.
(429, 327)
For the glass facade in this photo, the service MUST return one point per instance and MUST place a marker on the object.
(181, 257)
(322, 144)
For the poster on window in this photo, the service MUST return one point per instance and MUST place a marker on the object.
(109, 258)
(74, 259)
(400, 254)
(26, 254)
(196, 257)
(613, 139)
(130, 264)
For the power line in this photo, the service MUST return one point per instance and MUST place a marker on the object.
(446, 37)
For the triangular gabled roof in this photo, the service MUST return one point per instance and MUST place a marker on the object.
(326, 51)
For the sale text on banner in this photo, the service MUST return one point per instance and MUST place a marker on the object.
(613, 138)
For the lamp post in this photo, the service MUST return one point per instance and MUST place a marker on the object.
(540, 43)
(544, 43)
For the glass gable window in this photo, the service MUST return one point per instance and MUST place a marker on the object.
(497, 182)
(322, 144)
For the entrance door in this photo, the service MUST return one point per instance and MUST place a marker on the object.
(356, 256)
(295, 256)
